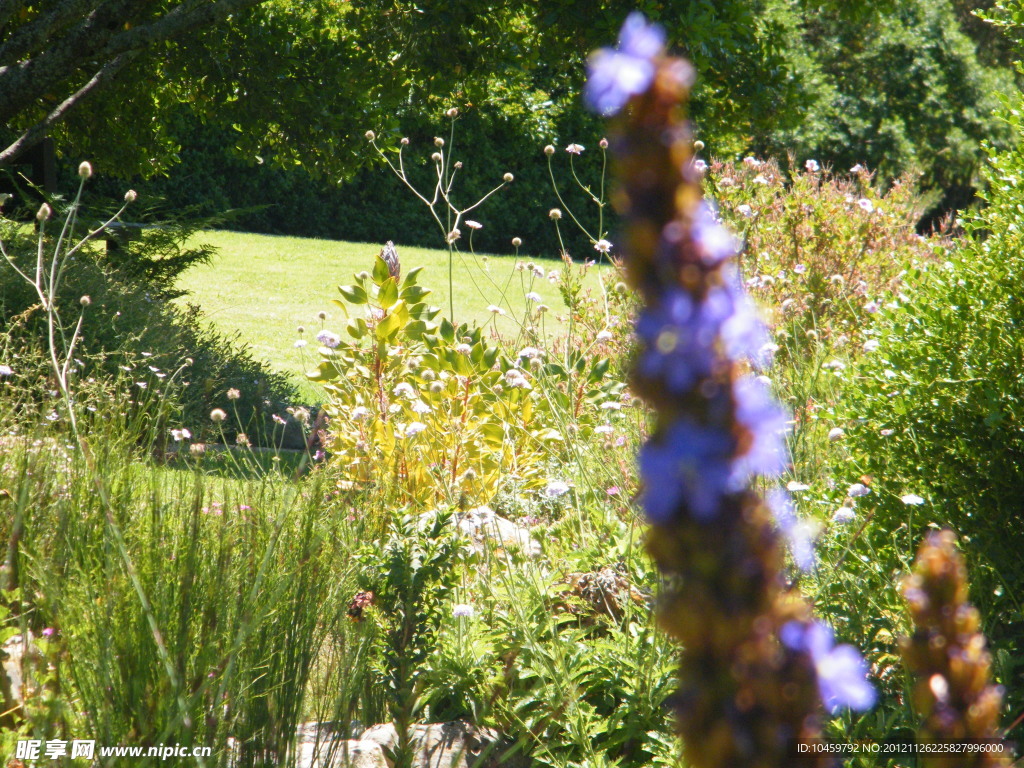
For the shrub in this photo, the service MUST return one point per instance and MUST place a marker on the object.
(935, 412)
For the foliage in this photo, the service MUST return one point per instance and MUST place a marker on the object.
(433, 412)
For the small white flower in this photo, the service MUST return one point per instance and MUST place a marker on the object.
(865, 205)
(837, 279)
(700, 166)
(844, 516)
(454, 235)
(555, 214)
(463, 611)
(885, 432)
(795, 486)
(787, 304)
(871, 345)
(611, 406)
(834, 365)
(602, 246)
(299, 344)
(871, 307)
(414, 428)
(494, 309)
(752, 162)
(857, 489)
(812, 166)
(359, 413)
(800, 269)
(912, 499)
(745, 210)
(6, 370)
(474, 224)
(404, 388)
(836, 433)
(463, 349)
(529, 352)
(533, 296)
(538, 271)
(420, 407)
(575, 149)
(604, 335)
(556, 488)
(858, 168)
(604, 429)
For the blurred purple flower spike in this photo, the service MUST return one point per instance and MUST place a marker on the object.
(617, 74)
(841, 671)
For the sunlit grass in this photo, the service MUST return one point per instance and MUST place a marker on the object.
(264, 287)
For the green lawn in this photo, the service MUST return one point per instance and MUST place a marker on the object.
(265, 286)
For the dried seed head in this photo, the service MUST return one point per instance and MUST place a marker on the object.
(508, 178)
(84, 170)
(404, 142)
(438, 141)
(85, 301)
(370, 135)
(131, 196)
(44, 213)
(516, 241)
(549, 150)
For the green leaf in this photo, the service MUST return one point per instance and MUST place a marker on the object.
(388, 293)
(354, 294)
(600, 369)
(412, 277)
(447, 331)
(380, 271)
(356, 328)
(414, 293)
(326, 371)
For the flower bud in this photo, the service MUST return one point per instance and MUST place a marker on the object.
(301, 329)
(404, 142)
(217, 415)
(131, 196)
(85, 301)
(603, 143)
(44, 213)
(370, 135)
(516, 241)
(698, 146)
(84, 170)
(452, 113)
(436, 157)
(508, 178)
(438, 141)
(549, 150)
(458, 164)
(554, 214)
(321, 315)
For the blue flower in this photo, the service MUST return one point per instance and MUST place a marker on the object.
(679, 338)
(690, 463)
(616, 75)
(840, 669)
(715, 242)
(797, 532)
(765, 422)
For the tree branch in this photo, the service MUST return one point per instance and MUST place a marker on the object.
(37, 131)
(30, 37)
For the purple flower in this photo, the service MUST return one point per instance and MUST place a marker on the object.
(679, 339)
(688, 462)
(616, 75)
(797, 532)
(840, 669)
(766, 423)
(716, 243)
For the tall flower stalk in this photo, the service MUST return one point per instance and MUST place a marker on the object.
(755, 667)
(947, 656)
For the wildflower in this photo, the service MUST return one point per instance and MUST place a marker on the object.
(794, 486)
(474, 224)
(699, 166)
(328, 339)
(602, 246)
(454, 235)
(452, 113)
(865, 205)
(857, 489)
(555, 214)
(463, 611)
(812, 166)
(321, 315)
(604, 429)
(278, 419)
(745, 210)
(438, 141)
(360, 413)
(836, 433)
(871, 345)
(6, 370)
(797, 532)
(533, 296)
(575, 149)
(840, 669)
(538, 271)
(299, 344)
(494, 309)
(542, 308)
(912, 499)
(858, 168)
(752, 162)
(715, 242)
(217, 415)
(800, 269)
(233, 394)
(131, 196)
(871, 307)
(556, 488)
(508, 178)
(529, 352)
(616, 75)
(44, 212)
(549, 150)
(463, 349)
(604, 336)
(834, 365)
(885, 432)
(414, 428)
(242, 440)
(516, 242)
(197, 449)
(180, 434)
(420, 407)
(404, 388)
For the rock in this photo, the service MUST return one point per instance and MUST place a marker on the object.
(455, 744)
(340, 753)
(481, 523)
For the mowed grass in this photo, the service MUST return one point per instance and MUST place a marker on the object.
(264, 287)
